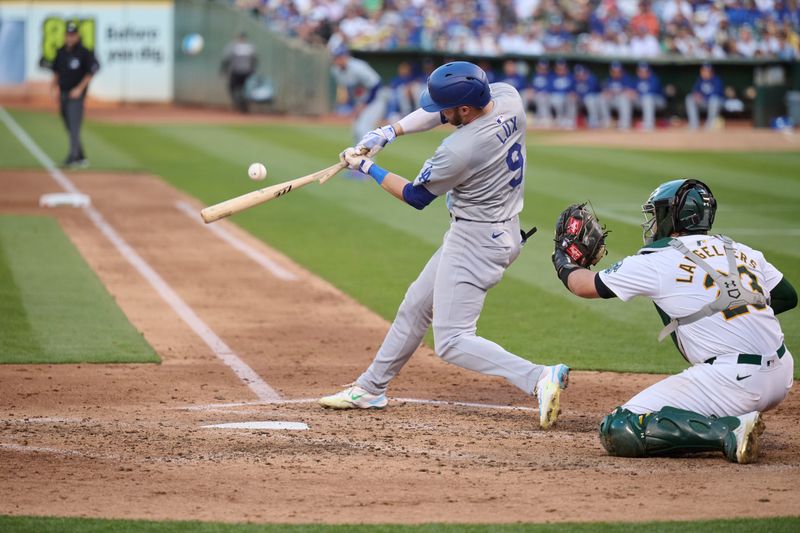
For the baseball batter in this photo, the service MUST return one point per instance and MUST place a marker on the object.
(480, 169)
(718, 299)
(356, 75)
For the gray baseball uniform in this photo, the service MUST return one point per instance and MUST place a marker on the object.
(481, 168)
(358, 74)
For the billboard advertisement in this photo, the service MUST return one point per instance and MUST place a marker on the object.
(132, 40)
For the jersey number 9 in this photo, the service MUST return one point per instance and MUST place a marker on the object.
(515, 162)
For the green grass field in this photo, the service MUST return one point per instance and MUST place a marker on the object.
(379, 245)
(53, 308)
(23, 524)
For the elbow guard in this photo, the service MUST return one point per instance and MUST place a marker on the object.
(417, 197)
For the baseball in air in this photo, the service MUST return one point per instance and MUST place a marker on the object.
(257, 172)
(192, 44)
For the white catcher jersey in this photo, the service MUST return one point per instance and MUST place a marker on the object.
(481, 166)
(679, 287)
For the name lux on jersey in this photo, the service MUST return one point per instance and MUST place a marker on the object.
(509, 127)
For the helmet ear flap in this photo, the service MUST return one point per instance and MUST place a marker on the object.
(695, 218)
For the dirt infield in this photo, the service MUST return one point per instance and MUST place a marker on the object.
(127, 440)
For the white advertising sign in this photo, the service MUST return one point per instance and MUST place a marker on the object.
(133, 42)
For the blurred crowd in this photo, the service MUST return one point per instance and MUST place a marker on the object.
(710, 29)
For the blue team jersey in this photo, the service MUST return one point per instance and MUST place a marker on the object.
(619, 84)
(708, 88)
(649, 85)
(516, 81)
(399, 81)
(542, 82)
(587, 86)
(563, 84)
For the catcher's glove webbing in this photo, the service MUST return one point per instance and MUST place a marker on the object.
(580, 240)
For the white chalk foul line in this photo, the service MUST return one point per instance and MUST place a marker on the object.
(260, 387)
(228, 406)
(271, 266)
(264, 424)
(55, 451)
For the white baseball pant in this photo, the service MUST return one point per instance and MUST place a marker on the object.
(623, 106)
(725, 388)
(593, 106)
(565, 109)
(649, 103)
(449, 293)
(712, 105)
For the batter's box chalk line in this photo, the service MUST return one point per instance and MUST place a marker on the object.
(225, 407)
(265, 424)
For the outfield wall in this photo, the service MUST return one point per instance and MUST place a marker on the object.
(132, 39)
(299, 74)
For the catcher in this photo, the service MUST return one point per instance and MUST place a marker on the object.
(718, 300)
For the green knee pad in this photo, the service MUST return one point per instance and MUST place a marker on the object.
(670, 431)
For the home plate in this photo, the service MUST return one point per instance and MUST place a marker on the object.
(267, 424)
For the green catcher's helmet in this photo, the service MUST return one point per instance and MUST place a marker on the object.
(680, 206)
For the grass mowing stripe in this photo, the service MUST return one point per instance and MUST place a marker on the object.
(28, 524)
(523, 320)
(18, 336)
(14, 155)
(773, 180)
(71, 316)
(50, 135)
(736, 206)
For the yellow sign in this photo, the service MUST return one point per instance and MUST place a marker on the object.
(53, 30)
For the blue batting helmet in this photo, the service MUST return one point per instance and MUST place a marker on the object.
(456, 84)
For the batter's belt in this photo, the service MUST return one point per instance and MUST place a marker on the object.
(751, 358)
(524, 234)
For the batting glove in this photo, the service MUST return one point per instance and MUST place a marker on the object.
(374, 141)
(355, 160)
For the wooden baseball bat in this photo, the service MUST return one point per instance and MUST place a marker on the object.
(227, 208)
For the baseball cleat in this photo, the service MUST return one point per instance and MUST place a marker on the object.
(747, 445)
(354, 397)
(548, 391)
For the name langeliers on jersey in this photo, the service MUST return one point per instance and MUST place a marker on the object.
(703, 252)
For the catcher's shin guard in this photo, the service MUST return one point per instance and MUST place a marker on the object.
(670, 431)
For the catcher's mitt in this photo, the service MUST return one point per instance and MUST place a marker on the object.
(580, 236)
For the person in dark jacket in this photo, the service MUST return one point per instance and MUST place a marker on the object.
(73, 68)
(239, 63)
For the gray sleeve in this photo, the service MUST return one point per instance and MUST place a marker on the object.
(365, 75)
(442, 172)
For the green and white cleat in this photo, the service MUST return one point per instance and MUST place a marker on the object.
(747, 438)
(548, 391)
(354, 397)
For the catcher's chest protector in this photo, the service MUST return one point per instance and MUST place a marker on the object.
(732, 293)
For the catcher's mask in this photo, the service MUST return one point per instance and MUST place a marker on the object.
(680, 206)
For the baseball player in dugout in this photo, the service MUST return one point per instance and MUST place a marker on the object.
(73, 69)
(480, 168)
(364, 89)
(718, 300)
